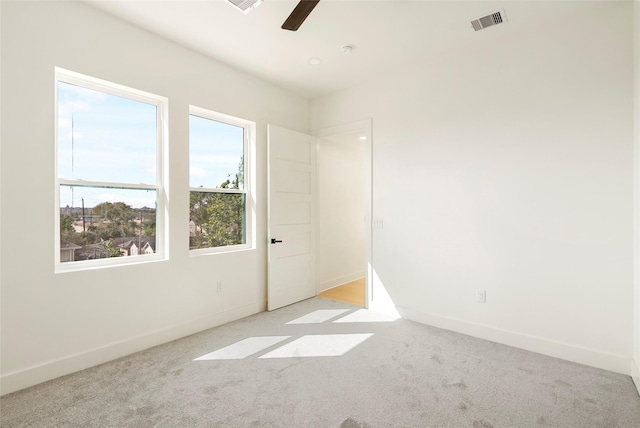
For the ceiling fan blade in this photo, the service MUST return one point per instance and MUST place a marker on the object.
(299, 14)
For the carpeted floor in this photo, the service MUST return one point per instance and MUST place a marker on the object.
(262, 372)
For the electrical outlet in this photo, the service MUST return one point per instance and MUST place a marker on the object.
(219, 286)
(481, 296)
(378, 223)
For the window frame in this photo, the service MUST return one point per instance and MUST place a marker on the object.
(160, 186)
(248, 182)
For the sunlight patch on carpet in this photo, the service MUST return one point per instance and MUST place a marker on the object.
(243, 348)
(319, 316)
(364, 315)
(323, 345)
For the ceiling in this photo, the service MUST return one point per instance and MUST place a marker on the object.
(386, 35)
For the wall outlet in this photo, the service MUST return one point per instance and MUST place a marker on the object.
(481, 296)
(219, 286)
(378, 223)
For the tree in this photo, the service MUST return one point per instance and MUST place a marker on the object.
(110, 249)
(67, 231)
(147, 217)
(225, 224)
(118, 219)
(219, 217)
(66, 224)
(149, 228)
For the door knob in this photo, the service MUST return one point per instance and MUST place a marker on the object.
(274, 241)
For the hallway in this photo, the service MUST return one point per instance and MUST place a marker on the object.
(352, 292)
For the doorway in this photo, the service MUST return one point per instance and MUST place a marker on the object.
(353, 292)
(343, 158)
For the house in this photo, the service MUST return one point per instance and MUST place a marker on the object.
(91, 252)
(506, 162)
(147, 248)
(68, 251)
(133, 246)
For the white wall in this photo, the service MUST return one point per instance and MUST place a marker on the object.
(507, 166)
(341, 211)
(636, 347)
(56, 324)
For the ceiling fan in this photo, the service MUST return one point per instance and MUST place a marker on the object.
(299, 14)
(293, 22)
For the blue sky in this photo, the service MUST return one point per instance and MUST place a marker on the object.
(215, 151)
(114, 140)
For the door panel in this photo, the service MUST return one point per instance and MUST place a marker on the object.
(289, 148)
(294, 212)
(290, 272)
(291, 179)
(292, 199)
(296, 241)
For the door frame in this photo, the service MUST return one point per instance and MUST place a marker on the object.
(364, 125)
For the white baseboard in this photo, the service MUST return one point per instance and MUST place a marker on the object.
(15, 381)
(336, 282)
(565, 351)
(635, 373)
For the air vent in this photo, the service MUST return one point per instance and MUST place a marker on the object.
(245, 5)
(495, 18)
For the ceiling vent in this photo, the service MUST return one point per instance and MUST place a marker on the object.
(245, 6)
(495, 18)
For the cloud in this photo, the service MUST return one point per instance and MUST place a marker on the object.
(198, 172)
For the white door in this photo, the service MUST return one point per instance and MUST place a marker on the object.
(292, 211)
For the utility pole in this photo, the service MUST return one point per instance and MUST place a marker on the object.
(84, 226)
(140, 232)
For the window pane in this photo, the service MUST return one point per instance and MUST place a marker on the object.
(105, 222)
(216, 154)
(216, 219)
(103, 137)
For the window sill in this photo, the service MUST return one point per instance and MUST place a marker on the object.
(85, 265)
(220, 250)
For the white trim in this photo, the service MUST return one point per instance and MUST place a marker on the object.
(96, 84)
(366, 126)
(337, 282)
(82, 265)
(197, 252)
(635, 374)
(216, 190)
(566, 351)
(15, 381)
(219, 117)
(107, 184)
(56, 190)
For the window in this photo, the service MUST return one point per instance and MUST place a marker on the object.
(108, 173)
(219, 181)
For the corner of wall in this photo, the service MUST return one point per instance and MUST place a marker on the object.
(636, 197)
(635, 374)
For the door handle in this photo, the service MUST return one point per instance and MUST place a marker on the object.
(274, 241)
